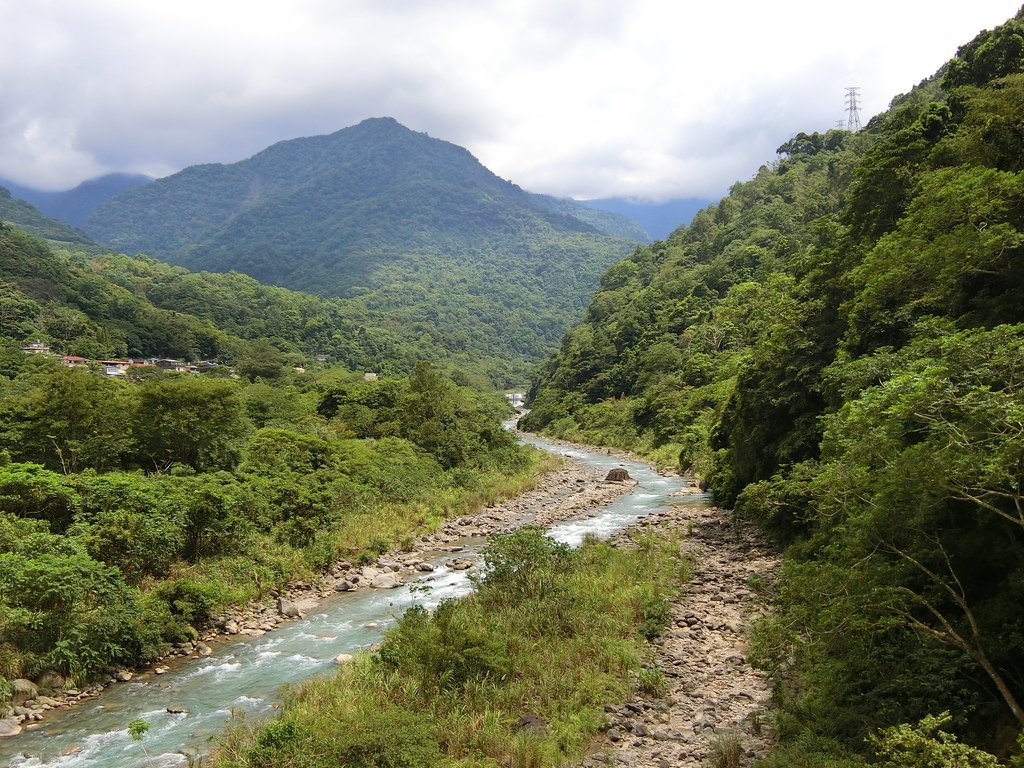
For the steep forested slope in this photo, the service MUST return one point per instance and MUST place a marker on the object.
(111, 305)
(837, 347)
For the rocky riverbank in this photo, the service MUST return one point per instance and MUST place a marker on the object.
(571, 491)
(714, 707)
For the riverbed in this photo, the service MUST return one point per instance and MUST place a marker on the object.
(244, 676)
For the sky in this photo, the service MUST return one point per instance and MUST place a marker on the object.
(649, 99)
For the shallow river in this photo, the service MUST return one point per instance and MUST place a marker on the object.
(246, 675)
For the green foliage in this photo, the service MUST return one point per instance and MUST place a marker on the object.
(61, 609)
(29, 490)
(25, 216)
(836, 347)
(191, 510)
(523, 565)
(137, 728)
(191, 421)
(925, 746)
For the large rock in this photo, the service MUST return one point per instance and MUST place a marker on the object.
(9, 727)
(288, 609)
(617, 475)
(22, 690)
(386, 581)
(52, 681)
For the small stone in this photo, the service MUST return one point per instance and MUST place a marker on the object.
(122, 676)
(343, 658)
(178, 710)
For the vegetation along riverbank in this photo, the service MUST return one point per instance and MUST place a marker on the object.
(258, 485)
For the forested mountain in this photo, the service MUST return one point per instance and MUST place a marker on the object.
(84, 301)
(838, 347)
(73, 206)
(413, 226)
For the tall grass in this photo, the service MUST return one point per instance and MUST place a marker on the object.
(514, 675)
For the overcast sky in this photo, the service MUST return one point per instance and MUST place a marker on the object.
(584, 98)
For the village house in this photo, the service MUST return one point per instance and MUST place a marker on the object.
(36, 348)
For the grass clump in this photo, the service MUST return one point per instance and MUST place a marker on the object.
(514, 675)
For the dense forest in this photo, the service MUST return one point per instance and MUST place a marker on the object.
(102, 305)
(837, 347)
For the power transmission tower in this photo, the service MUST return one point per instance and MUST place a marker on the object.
(853, 108)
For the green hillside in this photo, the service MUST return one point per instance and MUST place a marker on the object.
(109, 305)
(405, 223)
(837, 347)
(25, 216)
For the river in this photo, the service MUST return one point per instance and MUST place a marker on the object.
(246, 675)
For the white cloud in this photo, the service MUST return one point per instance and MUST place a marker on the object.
(582, 97)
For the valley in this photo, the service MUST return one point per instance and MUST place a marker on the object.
(262, 506)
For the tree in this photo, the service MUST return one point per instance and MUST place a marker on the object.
(190, 420)
(77, 419)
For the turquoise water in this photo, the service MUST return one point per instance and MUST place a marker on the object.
(247, 675)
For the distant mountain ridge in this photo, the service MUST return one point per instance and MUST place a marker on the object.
(414, 230)
(658, 220)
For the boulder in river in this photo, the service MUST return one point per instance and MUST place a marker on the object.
(386, 581)
(617, 475)
(287, 608)
(9, 727)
